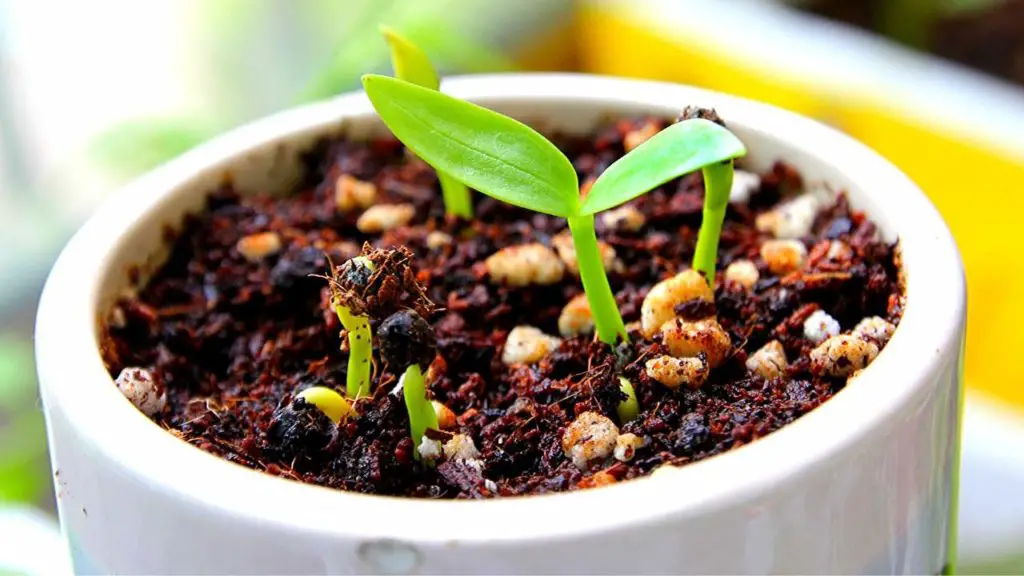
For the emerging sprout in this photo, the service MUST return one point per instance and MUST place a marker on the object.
(332, 404)
(371, 285)
(628, 409)
(412, 65)
(356, 274)
(407, 343)
(508, 160)
(301, 427)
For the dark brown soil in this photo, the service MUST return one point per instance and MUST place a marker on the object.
(233, 341)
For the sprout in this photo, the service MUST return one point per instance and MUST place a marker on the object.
(372, 285)
(412, 65)
(628, 409)
(299, 429)
(717, 183)
(407, 343)
(509, 161)
(355, 275)
(332, 404)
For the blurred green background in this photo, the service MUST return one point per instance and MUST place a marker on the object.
(95, 93)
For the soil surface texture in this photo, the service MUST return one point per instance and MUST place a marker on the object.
(239, 320)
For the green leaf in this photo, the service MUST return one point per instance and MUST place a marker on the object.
(409, 62)
(492, 153)
(677, 150)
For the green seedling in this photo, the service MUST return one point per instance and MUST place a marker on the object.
(412, 65)
(408, 346)
(511, 162)
(628, 409)
(355, 274)
(372, 285)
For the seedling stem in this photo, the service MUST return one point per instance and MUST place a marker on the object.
(421, 412)
(607, 320)
(717, 184)
(360, 351)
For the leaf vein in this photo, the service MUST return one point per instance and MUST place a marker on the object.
(542, 182)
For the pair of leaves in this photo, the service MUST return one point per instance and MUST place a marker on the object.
(510, 161)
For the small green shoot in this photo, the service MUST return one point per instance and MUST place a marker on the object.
(717, 184)
(360, 337)
(412, 65)
(628, 409)
(408, 345)
(511, 162)
(421, 412)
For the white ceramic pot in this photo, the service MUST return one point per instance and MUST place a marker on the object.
(865, 483)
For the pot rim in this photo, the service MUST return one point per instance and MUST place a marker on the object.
(75, 383)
